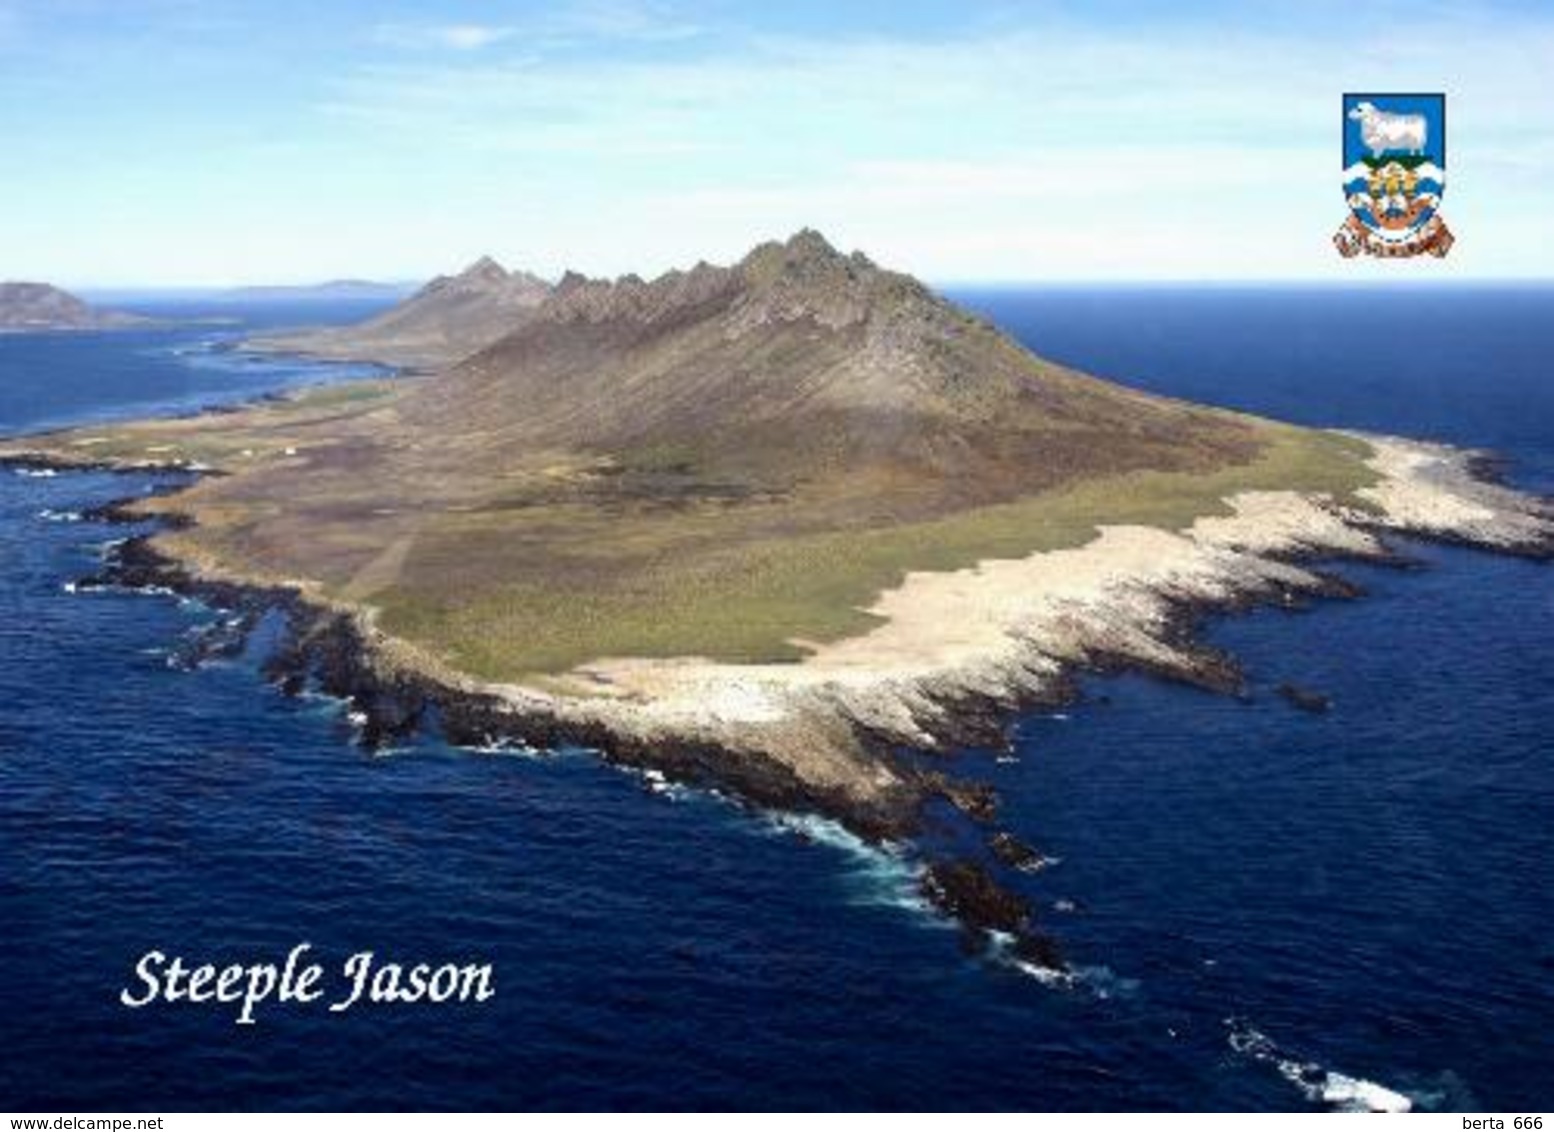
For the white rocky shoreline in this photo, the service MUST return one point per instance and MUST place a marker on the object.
(1012, 630)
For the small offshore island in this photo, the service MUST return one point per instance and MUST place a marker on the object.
(778, 528)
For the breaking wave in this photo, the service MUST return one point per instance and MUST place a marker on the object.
(1097, 981)
(883, 875)
(1338, 1091)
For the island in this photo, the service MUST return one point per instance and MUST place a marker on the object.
(796, 529)
(333, 290)
(38, 307)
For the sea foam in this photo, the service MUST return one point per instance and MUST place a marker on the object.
(1338, 1091)
(883, 874)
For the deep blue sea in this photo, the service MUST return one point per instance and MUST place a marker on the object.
(1265, 903)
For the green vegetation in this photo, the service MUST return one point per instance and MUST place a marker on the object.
(354, 393)
(747, 601)
(525, 571)
(221, 441)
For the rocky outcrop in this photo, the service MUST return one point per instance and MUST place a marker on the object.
(1316, 703)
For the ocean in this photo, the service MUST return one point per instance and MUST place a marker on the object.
(1268, 909)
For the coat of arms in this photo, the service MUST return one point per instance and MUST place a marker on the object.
(1394, 175)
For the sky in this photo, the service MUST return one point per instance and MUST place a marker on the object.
(210, 142)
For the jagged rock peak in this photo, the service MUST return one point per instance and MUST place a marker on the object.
(807, 244)
(806, 277)
(484, 268)
(632, 299)
(571, 281)
(804, 251)
(483, 275)
(782, 280)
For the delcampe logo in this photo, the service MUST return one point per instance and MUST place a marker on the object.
(1394, 175)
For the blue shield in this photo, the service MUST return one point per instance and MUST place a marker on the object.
(1394, 163)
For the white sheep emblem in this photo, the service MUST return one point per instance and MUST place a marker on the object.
(1384, 132)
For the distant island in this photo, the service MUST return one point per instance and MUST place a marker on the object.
(781, 528)
(450, 318)
(334, 289)
(36, 307)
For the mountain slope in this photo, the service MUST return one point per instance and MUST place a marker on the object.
(449, 318)
(800, 361)
(39, 306)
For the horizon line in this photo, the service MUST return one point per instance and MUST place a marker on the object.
(993, 283)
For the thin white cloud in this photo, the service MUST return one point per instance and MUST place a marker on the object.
(567, 25)
(455, 37)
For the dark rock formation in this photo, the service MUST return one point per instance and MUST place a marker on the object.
(1009, 850)
(964, 890)
(1304, 698)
